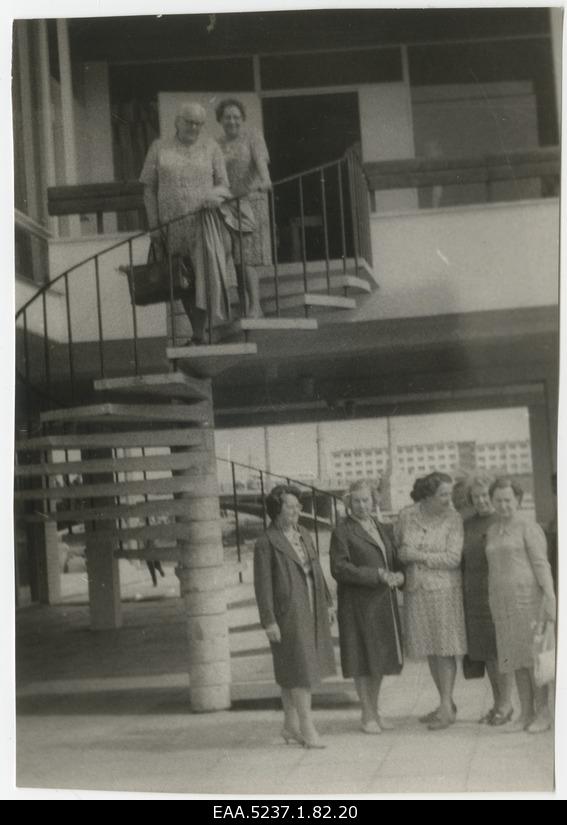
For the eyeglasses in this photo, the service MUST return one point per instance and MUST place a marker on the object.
(195, 123)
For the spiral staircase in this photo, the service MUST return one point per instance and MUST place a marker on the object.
(134, 462)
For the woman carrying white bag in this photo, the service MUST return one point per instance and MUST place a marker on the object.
(522, 602)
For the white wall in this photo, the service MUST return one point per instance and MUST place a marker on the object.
(115, 297)
(468, 259)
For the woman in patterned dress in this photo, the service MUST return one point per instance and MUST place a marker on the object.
(294, 604)
(181, 175)
(430, 544)
(247, 159)
(481, 635)
(521, 594)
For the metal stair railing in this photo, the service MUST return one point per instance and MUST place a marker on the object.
(343, 204)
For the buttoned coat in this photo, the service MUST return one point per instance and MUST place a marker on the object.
(305, 654)
(369, 621)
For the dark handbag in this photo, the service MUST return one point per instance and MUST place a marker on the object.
(149, 283)
(472, 669)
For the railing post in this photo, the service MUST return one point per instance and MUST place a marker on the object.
(303, 239)
(353, 212)
(325, 229)
(134, 311)
(262, 491)
(236, 522)
(342, 212)
(99, 316)
(46, 344)
(171, 290)
(206, 274)
(275, 250)
(240, 269)
(70, 337)
(315, 525)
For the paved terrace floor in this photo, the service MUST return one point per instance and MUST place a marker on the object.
(108, 711)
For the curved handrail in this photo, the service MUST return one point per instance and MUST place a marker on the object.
(342, 165)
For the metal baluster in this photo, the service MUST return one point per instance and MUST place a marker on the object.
(264, 519)
(240, 270)
(236, 523)
(207, 278)
(171, 289)
(335, 512)
(99, 315)
(70, 338)
(342, 211)
(353, 211)
(303, 241)
(316, 526)
(275, 248)
(134, 311)
(27, 373)
(325, 229)
(46, 345)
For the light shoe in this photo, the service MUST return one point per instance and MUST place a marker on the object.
(519, 726)
(385, 724)
(539, 725)
(371, 727)
(291, 736)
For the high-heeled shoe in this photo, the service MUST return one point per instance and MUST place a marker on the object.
(291, 736)
(313, 744)
(434, 714)
(442, 721)
(500, 718)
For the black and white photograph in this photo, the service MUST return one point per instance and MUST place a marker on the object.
(285, 381)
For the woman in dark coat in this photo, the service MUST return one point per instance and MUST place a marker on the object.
(481, 635)
(364, 564)
(293, 602)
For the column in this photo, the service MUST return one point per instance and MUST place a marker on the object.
(542, 465)
(68, 114)
(202, 577)
(556, 25)
(102, 566)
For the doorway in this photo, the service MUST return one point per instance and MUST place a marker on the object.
(303, 132)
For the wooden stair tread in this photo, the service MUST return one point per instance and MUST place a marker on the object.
(157, 486)
(171, 385)
(277, 324)
(211, 359)
(138, 510)
(316, 283)
(110, 464)
(200, 413)
(183, 437)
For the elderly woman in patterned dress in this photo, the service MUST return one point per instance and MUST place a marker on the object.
(430, 544)
(521, 594)
(247, 159)
(481, 635)
(181, 175)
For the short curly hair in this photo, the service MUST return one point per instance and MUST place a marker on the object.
(274, 500)
(483, 480)
(229, 101)
(502, 483)
(371, 485)
(427, 486)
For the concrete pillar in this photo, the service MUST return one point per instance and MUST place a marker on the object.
(68, 115)
(102, 566)
(202, 578)
(542, 463)
(49, 570)
(556, 22)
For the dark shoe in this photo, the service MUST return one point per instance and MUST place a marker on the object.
(499, 718)
(429, 717)
(488, 717)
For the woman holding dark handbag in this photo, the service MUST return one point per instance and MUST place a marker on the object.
(521, 595)
(364, 563)
(185, 177)
(481, 636)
